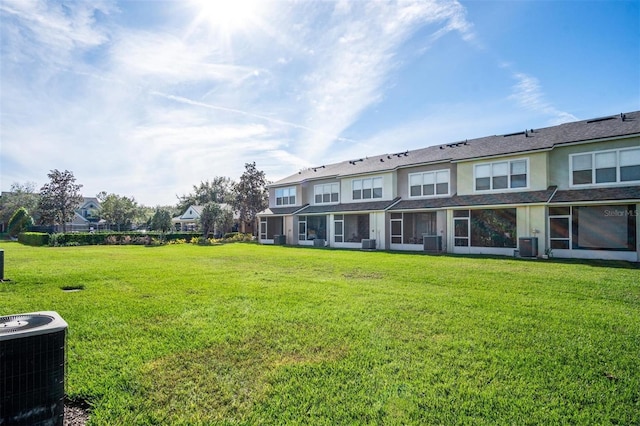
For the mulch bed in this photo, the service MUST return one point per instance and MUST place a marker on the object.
(76, 413)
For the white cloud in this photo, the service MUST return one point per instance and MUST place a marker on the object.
(528, 93)
(171, 60)
(356, 56)
(51, 31)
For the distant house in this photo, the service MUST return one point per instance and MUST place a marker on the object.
(87, 216)
(190, 219)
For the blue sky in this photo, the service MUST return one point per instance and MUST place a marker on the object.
(147, 98)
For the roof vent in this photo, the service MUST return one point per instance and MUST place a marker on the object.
(623, 117)
(353, 162)
(515, 134)
(596, 120)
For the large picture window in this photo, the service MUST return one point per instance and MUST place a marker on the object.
(501, 175)
(285, 196)
(607, 227)
(429, 184)
(364, 189)
(327, 193)
(493, 228)
(605, 167)
(604, 227)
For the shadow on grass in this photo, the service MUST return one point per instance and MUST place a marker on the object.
(596, 263)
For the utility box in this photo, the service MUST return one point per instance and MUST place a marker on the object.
(279, 240)
(528, 246)
(432, 243)
(319, 242)
(32, 369)
(368, 244)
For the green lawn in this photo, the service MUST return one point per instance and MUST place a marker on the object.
(248, 334)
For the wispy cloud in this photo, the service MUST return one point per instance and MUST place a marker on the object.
(356, 55)
(53, 30)
(527, 92)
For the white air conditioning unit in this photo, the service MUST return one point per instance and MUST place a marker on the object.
(32, 368)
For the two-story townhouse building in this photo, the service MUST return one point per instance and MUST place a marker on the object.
(573, 189)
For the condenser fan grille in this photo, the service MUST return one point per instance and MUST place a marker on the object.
(13, 323)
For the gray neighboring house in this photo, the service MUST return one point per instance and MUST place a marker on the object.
(86, 217)
(571, 190)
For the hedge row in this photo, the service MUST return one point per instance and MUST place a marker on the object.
(33, 238)
(98, 238)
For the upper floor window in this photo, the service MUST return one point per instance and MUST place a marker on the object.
(327, 193)
(501, 175)
(364, 189)
(285, 196)
(429, 184)
(605, 167)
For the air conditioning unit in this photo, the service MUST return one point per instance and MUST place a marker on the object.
(32, 369)
(319, 242)
(368, 244)
(528, 246)
(432, 243)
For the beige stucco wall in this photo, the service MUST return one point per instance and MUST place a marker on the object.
(531, 222)
(559, 166)
(537, 172)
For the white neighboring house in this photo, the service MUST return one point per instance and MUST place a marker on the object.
(189, 220)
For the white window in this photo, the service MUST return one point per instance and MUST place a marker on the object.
(605, 167)
(327, 193)
(429, 184)
(501, 175)
(364, 189)
(285, 196)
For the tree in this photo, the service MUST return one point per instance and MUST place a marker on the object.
(250, 195)
(20, 195)
(59, 199)
(161, 220)
(209, 216)
(219, 190)
(119, 211)
(19, 222)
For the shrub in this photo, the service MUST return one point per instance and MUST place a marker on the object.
(19, 222)
(33, 238)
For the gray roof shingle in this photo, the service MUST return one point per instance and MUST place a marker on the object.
(631, 193)
(530, 140)
(349, 207)
(506, 198)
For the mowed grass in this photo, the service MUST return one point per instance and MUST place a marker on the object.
(248, 334)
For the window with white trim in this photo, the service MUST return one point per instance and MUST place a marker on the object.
(605, 167)
(327, 193)
(501, 175)
(429, 184)
(364, 189)
(285, 196)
